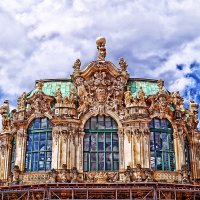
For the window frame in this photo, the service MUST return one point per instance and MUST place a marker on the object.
(38, 137)
(90, 130)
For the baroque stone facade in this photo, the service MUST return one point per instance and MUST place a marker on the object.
(100, 89)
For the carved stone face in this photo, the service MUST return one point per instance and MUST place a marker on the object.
(101, 94)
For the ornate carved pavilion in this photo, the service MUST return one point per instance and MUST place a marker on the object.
(100, 134)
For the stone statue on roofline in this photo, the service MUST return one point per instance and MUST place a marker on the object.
(128, 97)
(58, 96)
(101, 42)
(4, 111)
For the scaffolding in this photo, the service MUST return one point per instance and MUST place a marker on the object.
(134, 190)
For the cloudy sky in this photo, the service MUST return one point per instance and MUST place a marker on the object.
(42, 39)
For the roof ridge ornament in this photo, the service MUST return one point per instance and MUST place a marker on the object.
(101, 42)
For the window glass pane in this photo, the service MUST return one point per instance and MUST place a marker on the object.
(93, 166)
(44, 123)
(114, 124)
(101, 122)
(36, 136)
(115, 146)
(41, 165)
(49, 136)
(93, 123)
(36, 123)
(93, 141)
(158, 142)
(36, 146)
(157, 123)
(101, 146)
(93, 157)
(48, 165)
(43, 136)
(49, 156)
(159, 160)
(116, 166)
(163, 124)
(108, 123)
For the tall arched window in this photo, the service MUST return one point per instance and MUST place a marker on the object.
(101, 146)
(39, 145)
(161, 145)
(13, 155)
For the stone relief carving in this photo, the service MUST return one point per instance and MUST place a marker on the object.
(100, 92)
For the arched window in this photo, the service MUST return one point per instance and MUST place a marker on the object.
(101, 146)
(187, 154)
(161, 145)
(13, 155)
(39, 145)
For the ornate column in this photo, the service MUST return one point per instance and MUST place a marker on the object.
(121, 150)
(21, 148)
(128, 153)
(5, 153)
(56, 147)
(146, 148)
(137, 147)
(80, 152)
(176, 150)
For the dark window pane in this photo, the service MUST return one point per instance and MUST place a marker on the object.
(159, 160)
(114, 124)
(42, 145)
(115, 146)
(93, 166)
(36, 136)
(48, 165)
(36, 123)
(49, 136)
(101, 157)
(115, 137)
(108, 146)
(115, 156)
(101, 137)
(41, 165)
(93, 141)
(93, 157)
(86, 145)
(42, 136)
(116, 166)
(93, 123)
(101, 146)
(157, 123)
(36, 146)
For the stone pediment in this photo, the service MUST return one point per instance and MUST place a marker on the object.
(100, 86)
(105, 66)
(39, 103)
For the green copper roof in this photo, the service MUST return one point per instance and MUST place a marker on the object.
(50, 87)
(149, 86)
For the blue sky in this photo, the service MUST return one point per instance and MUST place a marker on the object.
(42, 39)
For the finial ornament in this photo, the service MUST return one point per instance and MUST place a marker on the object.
(101, 42)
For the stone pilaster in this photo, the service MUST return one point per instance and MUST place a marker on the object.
(5, 155)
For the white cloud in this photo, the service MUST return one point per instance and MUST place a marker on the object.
(42, 39)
